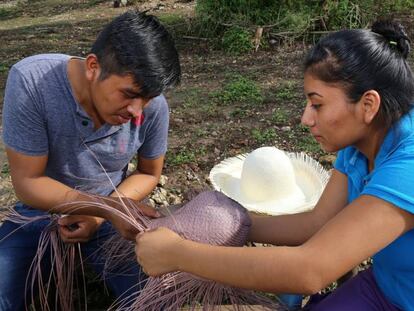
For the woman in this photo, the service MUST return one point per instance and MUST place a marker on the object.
(360, 92)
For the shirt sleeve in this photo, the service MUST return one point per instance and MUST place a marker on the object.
(156, 137)
(393, 181)
(339, 164)
(24, 126)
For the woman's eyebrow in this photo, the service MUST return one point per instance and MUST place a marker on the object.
(310, 94)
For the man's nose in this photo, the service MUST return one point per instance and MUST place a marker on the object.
(136, 106)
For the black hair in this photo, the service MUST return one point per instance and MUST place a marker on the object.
(136, 43)
(362, 60)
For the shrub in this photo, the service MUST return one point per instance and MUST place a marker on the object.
(236, 41)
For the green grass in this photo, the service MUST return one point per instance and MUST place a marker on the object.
(171, 19)
(9, 12)
(264, 136)
(191, 98)
(308, 144)
(286, 92)
(183, 156)
(280, 116)
(240, 89)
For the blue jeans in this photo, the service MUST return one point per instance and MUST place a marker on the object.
(19, 245)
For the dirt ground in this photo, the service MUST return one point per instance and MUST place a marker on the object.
(205, 127)
(204, 130)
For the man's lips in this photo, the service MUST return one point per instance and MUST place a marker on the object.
(124, 119)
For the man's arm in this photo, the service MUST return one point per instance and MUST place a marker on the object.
(33, 188)
(292, 230)
(141, 182)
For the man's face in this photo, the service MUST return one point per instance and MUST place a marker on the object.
(117, 99)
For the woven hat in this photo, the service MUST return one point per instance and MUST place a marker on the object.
(271, 181)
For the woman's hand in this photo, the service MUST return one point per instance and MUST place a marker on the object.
(157, 251)
(78, 228)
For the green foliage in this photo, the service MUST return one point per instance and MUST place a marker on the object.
(308, 144)
(238, 113)
(240, 90)
(183, 156)
(237, 41)
(4, 68)
(9, 12)
(298, 18)
(286, 92)
(171, 19)
(266, 136)
(5, 170)
(280, 116)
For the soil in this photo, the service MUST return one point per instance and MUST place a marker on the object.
(204, 128)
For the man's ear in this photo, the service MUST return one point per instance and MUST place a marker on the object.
(370, 105)
(92, 67)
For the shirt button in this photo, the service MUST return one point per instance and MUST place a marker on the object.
(85, 123)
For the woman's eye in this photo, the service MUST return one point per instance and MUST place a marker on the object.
(316, 106)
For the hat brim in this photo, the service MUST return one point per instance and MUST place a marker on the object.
(310, 177)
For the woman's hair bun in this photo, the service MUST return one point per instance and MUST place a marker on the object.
(395, 34)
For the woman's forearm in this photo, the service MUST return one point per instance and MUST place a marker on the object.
(270, 269)
(290, 230)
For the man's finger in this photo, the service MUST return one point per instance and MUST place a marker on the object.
(149, 211)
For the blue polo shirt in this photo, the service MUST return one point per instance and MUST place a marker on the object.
(42, 117)
(391, 180)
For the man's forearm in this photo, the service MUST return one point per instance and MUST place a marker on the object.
(136, 186)
(52, 196)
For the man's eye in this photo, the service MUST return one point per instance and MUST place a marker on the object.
(129, 96)
(316, 106)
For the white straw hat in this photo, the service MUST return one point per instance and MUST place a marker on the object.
(271, 181)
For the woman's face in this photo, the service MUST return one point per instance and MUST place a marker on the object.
(332, 119)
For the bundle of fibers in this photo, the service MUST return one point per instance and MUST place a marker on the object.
(211, 218)
(61, 277)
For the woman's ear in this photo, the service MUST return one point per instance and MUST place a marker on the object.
(370, 104)
(92, 67)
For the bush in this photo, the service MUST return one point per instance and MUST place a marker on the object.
(299, 17)
(237, 41)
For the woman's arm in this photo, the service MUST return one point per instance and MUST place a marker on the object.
(296, 229)
(357, 232)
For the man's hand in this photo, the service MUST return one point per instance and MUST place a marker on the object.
(125, 228)
(156, 249)
(78, 228)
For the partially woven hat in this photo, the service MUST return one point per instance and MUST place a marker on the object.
(271, 181)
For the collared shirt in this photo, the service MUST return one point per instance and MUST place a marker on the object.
(392, 180)
(42, 117)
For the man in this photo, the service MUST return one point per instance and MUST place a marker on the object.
(70, 126)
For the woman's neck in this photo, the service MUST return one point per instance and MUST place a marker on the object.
(371, 144)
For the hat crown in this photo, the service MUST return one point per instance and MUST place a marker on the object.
(268, 173)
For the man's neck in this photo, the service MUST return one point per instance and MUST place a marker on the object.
(81, 88)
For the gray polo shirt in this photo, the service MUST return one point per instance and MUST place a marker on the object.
(42, 117)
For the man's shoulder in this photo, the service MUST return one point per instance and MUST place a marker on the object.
(157, 104)
(39, 61)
